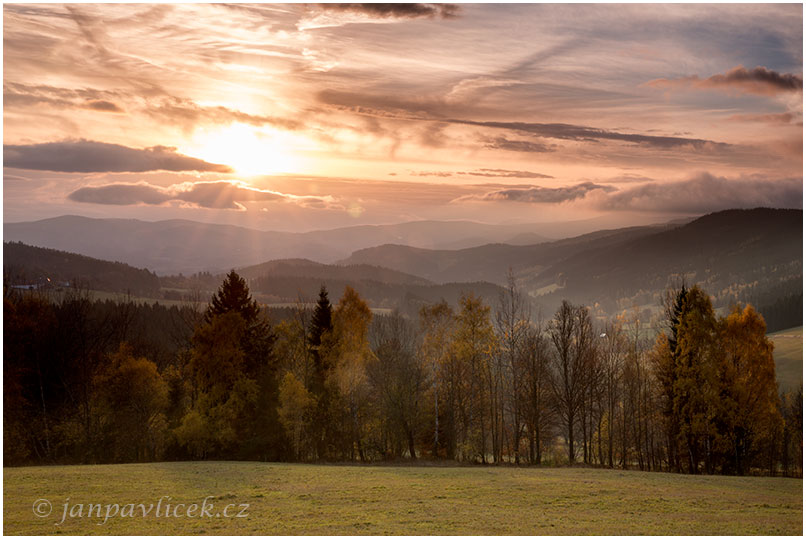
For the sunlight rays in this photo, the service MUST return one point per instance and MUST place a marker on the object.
(248, 150)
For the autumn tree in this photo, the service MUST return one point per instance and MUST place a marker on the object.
(473, 344)
(349, 355)
(234, 410)
(748, 396)
(436, 325)
(696, 386)
(295, 403)
(134, 398)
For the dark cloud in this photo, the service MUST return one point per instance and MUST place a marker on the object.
(628, 178)
(781, 118)
(215, 195)
(104, 106)
(187, 113)
(591, 134)
(759, 80)
(540, 195)
(394, 11)
(435, 173)
(434, 111)
(503, 143)
(24, 95)
(121, 194)
(705, 193)
(501, 173)
(91, 156)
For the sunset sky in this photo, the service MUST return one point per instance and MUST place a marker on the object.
(299, 116)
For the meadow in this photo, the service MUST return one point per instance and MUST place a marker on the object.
(297, 499)
(788, 356)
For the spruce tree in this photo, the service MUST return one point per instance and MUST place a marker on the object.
(233, 296)
(322, 321)
(321, 325)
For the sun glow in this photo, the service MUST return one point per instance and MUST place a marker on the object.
(248, 150)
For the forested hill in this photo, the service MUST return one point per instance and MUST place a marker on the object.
(290, 280)
(300, 267)
(738, 255)
(25, 265)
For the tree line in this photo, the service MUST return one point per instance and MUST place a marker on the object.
(88, 382)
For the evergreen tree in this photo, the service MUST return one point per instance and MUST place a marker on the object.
(322, 321)
(233, 296)
(234, 366)
(321, 329)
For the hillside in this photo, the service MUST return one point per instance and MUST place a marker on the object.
(737, 255)
(489, 262)
(288, 281)
(24, 264)
(180, 246)
(315, 270)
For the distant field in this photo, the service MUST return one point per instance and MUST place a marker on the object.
(336, 500)
(788, 357)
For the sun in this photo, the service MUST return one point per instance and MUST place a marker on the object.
(248, 150)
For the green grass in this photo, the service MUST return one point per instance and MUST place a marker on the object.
(337, 500)
(788, 355)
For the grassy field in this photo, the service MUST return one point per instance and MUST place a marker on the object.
(788, 357)
(334, 500)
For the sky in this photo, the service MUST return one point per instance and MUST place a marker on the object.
(307, 116)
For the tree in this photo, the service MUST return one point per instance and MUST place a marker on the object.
(233, 296)
(295, 402)
(473, 345)
(696, 386)
(571, 334)
(749, 393)
(512, 323)
(319, 337)
(537, 392)
(349, 355)
(613, 353)
(234, 368)
(436, 324)
(135, 398)
(399, 379)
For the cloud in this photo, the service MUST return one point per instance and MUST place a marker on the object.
(584, 133)
(223, 195)
(102, 105)
(439, 174)
(431, 110)
(628, 178)
(90, 156)
(503, 143)
(539, 195)
(24, 95)
(188, 113)
(398, 11)
(775, 119)
(502, 173)
(328, 15)
(705, 193)
(759, 81)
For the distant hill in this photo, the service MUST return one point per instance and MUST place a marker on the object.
(736, 255)
(24, 264)
(180, 246)
(489, 262)
(315, 270)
